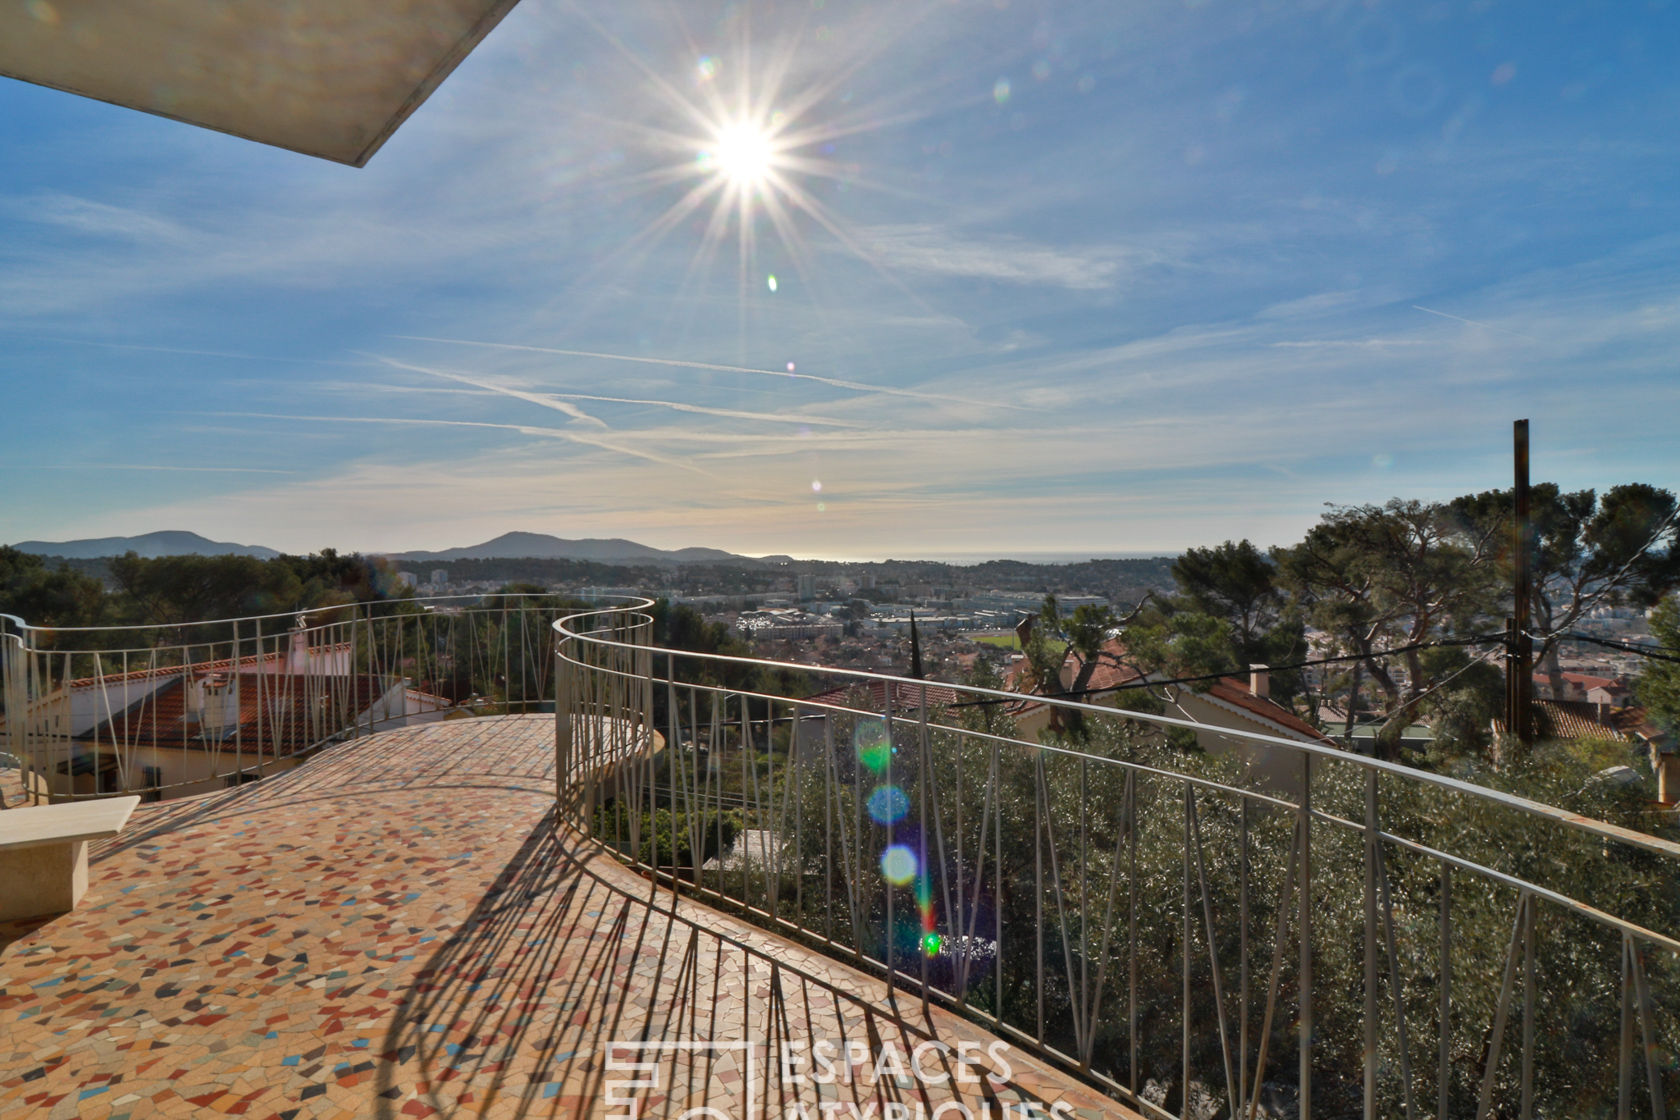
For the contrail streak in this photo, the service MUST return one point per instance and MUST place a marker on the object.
(733, 413)
(1472, 322)
(555, 400)
(524, 429)
(571, 410)
(834, 382)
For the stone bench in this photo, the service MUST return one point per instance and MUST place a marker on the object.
(43, 853)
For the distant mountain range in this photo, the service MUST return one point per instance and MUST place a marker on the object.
(541, 546)
(508, 546)
(167, 543)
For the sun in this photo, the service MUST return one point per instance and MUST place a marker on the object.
(743, 153)
(754, 143)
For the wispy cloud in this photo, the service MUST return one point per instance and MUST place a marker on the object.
(95, 467)
(936, 251)
(678, 363)
(566, 434)
(1347, 343)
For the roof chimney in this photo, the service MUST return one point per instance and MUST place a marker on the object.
(1260, 681)
(297, 653)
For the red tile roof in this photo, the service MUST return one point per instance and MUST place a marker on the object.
(222, 665)
(1085, 679)
(281, 713)
(906, 695)
(1091, 681)
(1567, 719)
(1235, 691)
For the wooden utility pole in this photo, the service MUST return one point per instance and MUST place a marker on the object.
(1519, 689)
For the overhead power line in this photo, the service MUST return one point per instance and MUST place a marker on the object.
(1657, 653)
(1479, 639)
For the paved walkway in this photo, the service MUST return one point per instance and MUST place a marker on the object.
(396, 929)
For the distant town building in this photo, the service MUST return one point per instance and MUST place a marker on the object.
(786, 622)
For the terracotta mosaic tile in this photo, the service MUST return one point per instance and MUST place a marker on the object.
(397, 930)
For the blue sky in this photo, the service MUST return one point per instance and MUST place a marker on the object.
(1048, 278)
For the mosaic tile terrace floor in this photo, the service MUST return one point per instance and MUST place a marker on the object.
(396, 930)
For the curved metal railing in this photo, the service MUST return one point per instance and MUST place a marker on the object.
(182, 709)
(1204, 920)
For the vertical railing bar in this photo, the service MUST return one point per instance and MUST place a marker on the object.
(1527, 1107)
(1108, 917)
(973, 918)
(1370, 946)
(1131, 934)
(930, 778)
(828, 825)
(1305, 975)
(1278, 937)
(1089, 1026)
(1213, 959)
(996, 807)
(1061, 920)
(1038, 887)
(1444, 1076)
(1242, 954)
(858, 917)
(1624, 1080)
(1647, 1029)
(1503, 1008)
(924, 881)
(1184, 958)
(891, 930)
(233, 690)
(846, 847)
(797, 762)
(1396, 992)
(749, 779)
(960, 954)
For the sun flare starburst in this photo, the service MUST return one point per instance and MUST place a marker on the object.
(755, 139)
(744, 153)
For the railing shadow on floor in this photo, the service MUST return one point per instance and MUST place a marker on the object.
(562, 959)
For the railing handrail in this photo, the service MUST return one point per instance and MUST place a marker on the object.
(1592, 826)
(660, 814)
(421, 600)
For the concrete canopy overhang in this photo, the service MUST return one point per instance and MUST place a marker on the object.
(328, 78)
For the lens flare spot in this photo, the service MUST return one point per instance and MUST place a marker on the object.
(816, 485)
(792, 367)
(707, 67)
(931, 943)
(770, 281)
(898, 865)
(869, 741)
(822, 507)
(888, 805)
(1382, 460)
(1000, 91)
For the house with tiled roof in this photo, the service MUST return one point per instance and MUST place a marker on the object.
(176, 730)
(1662, 747)
(1229, 704)
(1569, 686)
(1240, 704)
